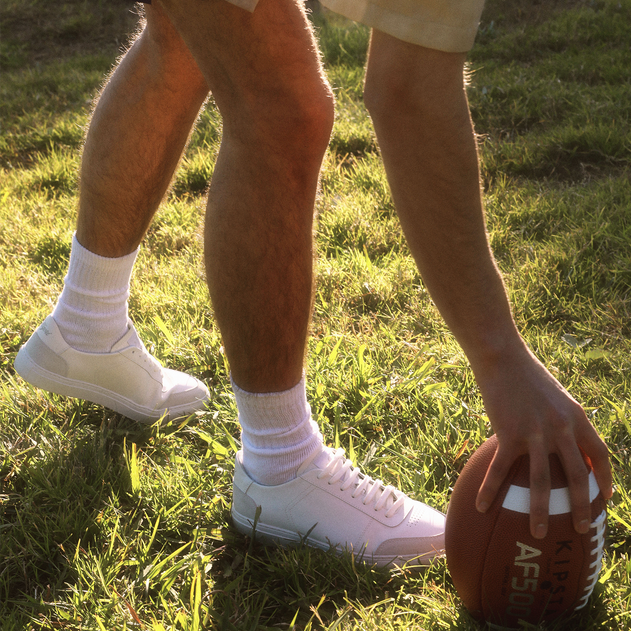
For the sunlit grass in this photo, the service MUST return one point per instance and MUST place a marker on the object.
(105, 525)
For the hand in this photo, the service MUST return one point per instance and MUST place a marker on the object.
(532, 414)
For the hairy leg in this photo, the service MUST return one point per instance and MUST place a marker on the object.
(87, 347)
(277, 109)
(136, 137)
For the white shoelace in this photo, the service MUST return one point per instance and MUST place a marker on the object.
(340, 469)
(139, 348)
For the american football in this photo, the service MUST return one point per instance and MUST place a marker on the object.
(501, 572)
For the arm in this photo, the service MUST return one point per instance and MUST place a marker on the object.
(419, 107)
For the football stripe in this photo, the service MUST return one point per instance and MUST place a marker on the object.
(518, 498)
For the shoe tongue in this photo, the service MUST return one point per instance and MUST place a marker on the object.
(322, 459)
(318, 460)
(129, 339)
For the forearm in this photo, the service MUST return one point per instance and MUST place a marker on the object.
(432, 164)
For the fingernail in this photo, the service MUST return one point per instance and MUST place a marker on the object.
(540, 531)
(483, 507)
(583, 527)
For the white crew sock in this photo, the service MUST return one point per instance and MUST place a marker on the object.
(277, 433)
(92, 310)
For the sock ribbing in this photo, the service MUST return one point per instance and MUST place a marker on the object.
(277, 433)
(92, 309)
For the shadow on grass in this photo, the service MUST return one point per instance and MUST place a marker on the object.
(65, 506)
(58, 489)
(52, 498)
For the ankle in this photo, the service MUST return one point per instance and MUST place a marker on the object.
(92, 310)
(278, 433)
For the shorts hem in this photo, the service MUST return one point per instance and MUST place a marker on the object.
(414, 30)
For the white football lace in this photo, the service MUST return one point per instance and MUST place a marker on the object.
(598, 551)
(340, 469)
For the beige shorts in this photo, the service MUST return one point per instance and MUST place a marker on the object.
(448, 25)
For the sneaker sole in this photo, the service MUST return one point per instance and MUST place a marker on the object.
(272, 535)
(46, 380)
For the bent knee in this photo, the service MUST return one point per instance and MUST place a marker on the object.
(315, 115)
(296, 119)
(408, 79)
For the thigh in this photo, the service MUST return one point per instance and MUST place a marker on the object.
(250, 59)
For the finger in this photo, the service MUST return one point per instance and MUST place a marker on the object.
(495, 475)
(598, 453)
(539, 492)
(577, 475)
(602, 471)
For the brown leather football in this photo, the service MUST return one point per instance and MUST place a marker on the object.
(502, 573)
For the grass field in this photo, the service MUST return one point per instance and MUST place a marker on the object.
(108, 526)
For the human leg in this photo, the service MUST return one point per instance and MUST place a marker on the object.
(277, 114)
(277, 110)
(88, 348)
(136, 137)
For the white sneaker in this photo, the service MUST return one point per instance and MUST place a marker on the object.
(332, 505)
(127, 380)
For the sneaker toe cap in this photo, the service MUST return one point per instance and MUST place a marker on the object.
(411, 548)
(427, 521)
(422, 534)
(182, 389)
